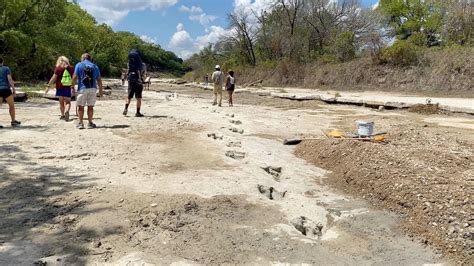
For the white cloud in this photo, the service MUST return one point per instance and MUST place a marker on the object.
(203, 18)
(374, 6)
(198, 15)
(112, 11)
(249, 6)
(149, 39)
(184, 45)
(192, 10)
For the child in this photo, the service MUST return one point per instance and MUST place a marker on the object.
(230, 86)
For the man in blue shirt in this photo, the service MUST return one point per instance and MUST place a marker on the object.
(87, 77)
(8, 91)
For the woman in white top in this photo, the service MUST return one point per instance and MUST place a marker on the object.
(230, 86)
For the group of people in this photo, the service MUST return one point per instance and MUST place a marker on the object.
(87, 76)
(219, 81)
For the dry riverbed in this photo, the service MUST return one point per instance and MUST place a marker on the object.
(188, 183)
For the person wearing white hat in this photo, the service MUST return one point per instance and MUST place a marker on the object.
(218, 80)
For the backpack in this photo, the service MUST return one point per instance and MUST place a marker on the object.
(217, 78)
(66, 80)
(88, 79)
(135, 65)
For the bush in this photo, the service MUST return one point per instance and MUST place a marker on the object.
(344, 47)
(403, 53)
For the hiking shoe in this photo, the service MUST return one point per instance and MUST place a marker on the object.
(66, 116)
(62, 117)
(125, 111)
(214, 103)
(139, 115)
(15, 123)
(80, 126)
(91, 125)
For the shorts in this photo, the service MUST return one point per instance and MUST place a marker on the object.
(135, 88)
(63, 93)
(86, 97)
(231, 87)
(4, 94)
(218, 89)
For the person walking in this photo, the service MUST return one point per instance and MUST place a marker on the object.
(87, 76)
(62, 77)
(218, 80)
(230, 86)
(8, 92)
(135, 81)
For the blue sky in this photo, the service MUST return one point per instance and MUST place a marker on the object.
(182, 26)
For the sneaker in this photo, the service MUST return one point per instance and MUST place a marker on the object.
(91, 125)
(62, 117)
(66, 116)
(125, 111)
(139, 115)
(80, 126)
(15, 123)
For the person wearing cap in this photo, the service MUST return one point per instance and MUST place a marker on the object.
(218, 80)
(87, 77)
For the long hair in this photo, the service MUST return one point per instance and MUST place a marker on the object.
(62, 62)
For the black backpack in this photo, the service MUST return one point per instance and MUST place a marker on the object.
(88, 79)
(135, 65)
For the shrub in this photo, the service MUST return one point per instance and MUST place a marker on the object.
(401, 53)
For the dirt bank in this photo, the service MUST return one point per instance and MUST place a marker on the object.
(425, 173)
(445, 73)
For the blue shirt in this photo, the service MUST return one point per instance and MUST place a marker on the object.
(79, 72)
(4, 83)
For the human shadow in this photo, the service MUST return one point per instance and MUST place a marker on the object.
(113, 126)
(39, 206)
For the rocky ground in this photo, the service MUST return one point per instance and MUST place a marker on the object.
(198, 184)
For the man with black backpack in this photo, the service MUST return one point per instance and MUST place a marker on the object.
(136, 75)
(87, 77)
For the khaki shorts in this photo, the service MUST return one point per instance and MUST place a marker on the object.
(86, 97)
(218, 89)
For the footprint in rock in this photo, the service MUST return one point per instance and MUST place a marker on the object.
(237, 155)
(307, 227)
(236, 130)
(215, 136)
(271, 193)
(236, 144)
(274, 171)
(237, 122)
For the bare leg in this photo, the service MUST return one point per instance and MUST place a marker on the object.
(220, 98)
(90, 113)
(67, 103)
(139, 103)
(215, 98)
(81, 114)
(61, 105)
(11, 105)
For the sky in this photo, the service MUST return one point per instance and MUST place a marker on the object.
(181, 26)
